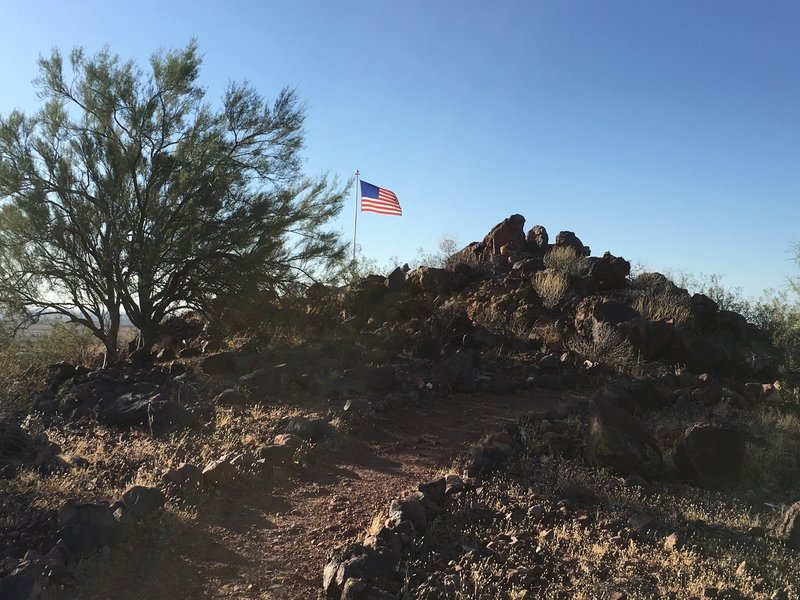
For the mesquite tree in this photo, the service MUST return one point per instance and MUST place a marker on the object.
(128, 191)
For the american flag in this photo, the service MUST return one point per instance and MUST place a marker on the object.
(379, 200)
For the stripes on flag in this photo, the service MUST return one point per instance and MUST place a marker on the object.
(379, 200)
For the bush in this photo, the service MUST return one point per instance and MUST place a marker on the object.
(607, 346)
(25, 357)
(564, 260)
(550, 285)
(657, 298)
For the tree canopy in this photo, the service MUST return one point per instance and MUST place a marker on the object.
(128, 191)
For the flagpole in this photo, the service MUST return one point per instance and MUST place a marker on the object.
(355, 226)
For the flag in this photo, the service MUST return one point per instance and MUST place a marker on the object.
(379, 200)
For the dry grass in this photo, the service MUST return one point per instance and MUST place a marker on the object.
(564, 260)
(663, 305)
(491, 545)
(606, 346)
(550, 285)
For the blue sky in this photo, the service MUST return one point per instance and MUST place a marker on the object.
(668, 133)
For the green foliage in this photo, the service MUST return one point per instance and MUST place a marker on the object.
(128, 191)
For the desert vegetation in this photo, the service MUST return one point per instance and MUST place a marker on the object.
(261, 368)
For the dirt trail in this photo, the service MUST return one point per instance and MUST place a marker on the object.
(268, 538)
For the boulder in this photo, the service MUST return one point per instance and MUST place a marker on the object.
(618, 440)
(14, 441)
(130, 407)
(275, 454)
(313, 430)
(59, 373)
(457, 370)
(710, 455)
(610, 272)
(169, 417)
(537, 237)
(788, 529)
(702, 355)
(86, 527)
(704, 309)
(396, 280)
(435, 281)
(183, 476)
(355, 589)
(568, 238)
(21, 586)
(229, 397)
(509, 234)
(410, 509)
(142, 501)
(219, 473)
(265, 381)
(355, 561)
(222, 363)
(594, 314)
(288, 440)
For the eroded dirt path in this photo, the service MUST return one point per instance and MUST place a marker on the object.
(267, 538)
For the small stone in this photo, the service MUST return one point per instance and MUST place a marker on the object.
(143, 501)
(288, 439)
(673, 541)
(536, 512)
(230, 397)
(219, 473)
(641, 522)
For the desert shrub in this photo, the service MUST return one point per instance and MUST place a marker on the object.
(607, 346)
(550, 285)
(565, 260)
(657, 298)
(26, 356)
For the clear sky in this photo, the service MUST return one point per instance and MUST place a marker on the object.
(665, 132)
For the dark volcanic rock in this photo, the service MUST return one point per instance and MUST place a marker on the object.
(355, 561)
(168, 417)
(14, 441)
(129, 407)
(568, 238)
(509, 234)
(458, 371)
(610, 272)
(538, 237)
(618, 440)
(142, 502)
(702, 355)
(86, 527)
(710, 455)
(223, 363)
(265, 381)
(182, 477)
(355, 589)
(313, 430)
(21, 586)
(436, 281)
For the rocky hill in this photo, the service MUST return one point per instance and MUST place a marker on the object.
(678, 397)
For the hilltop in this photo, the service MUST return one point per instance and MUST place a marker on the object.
(566, 430)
